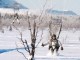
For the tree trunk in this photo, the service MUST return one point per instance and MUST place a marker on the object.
(33, 41)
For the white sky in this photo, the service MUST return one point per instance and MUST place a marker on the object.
(56, 4)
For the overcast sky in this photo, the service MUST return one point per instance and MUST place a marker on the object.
(73, 5)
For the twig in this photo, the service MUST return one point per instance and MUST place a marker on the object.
(21, 37)
(23, 41)
(40, 39)
(27, 46)
(60, 30)
(43, 9)
(36, 31)
(29, 27)
(42, 12)
(20, 52)
(16, 28)
(50, 28)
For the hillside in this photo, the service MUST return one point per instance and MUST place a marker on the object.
(11, 4)
(61, 12)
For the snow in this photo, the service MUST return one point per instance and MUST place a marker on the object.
(70, 40)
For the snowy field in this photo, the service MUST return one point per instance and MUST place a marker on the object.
(70, 40)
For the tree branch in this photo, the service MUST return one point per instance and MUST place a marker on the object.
(40, 39)
(60, 30)
(27, 46)
(20, 52)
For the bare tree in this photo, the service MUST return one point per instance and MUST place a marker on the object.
(55, 25)
(33, 28)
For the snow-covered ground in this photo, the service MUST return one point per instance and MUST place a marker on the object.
(70, 40)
